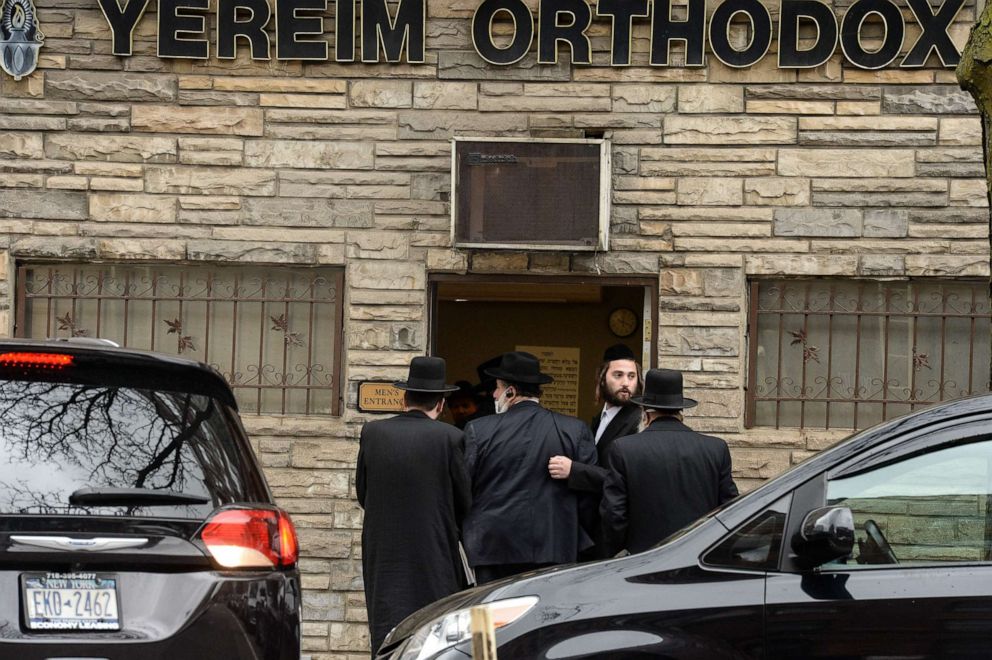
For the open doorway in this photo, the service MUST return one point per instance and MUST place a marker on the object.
(566, 321)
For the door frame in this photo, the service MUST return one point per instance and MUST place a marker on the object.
(649, 312)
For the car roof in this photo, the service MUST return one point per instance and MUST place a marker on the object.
(150, 368)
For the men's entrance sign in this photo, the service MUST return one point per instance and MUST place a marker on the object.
(808, 32)
(379, 397)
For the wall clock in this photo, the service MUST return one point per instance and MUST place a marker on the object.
(623, 322)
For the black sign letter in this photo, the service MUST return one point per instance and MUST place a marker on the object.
(482, 31)
(344, 30)
(850, 34)
(761, 32)
(621, 13)
(290, 25)
(408, 28)
(692, 31)
(229, 28)
(122, 23)
(790, 56)
(934, 36)
(550, 31)
(176, 26)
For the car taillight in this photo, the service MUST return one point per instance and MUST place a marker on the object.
(288, 548)
(35, 360)
(251, 538)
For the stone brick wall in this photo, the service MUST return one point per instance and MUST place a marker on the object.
(720, 175)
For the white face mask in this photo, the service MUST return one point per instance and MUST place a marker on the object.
(503, 402)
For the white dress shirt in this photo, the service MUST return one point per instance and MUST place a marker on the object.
(609, 412)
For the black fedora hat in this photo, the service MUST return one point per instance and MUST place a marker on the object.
(663, 391)
(519, 367)
(426, 375)
(481, 370)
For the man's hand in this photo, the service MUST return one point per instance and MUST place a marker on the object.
(560, 467)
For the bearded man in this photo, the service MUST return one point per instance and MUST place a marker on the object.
(618, 380)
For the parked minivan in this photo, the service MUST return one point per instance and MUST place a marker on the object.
(880, 547)
(135, 523)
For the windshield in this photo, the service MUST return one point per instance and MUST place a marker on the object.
(58, 438)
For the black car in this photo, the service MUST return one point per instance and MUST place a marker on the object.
(134, 519)
(880, 547)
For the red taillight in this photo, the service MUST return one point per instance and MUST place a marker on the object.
(251, 538)
(36, 360)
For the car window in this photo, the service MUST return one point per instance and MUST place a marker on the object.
(755, 544)
(57, 438)
(928, 508)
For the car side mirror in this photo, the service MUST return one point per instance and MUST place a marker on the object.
(825, 535)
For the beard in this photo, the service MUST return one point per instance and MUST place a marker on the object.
(620, 397)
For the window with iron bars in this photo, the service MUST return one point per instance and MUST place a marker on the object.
(274, 332)
(852, 353)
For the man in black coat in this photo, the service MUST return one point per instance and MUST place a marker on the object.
(412, 482)
(521, 518)
(618, 379)
(664, 477)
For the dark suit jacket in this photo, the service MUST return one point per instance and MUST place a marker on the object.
(412, 483)
(591, 477)
(661, 480)
(520, 515)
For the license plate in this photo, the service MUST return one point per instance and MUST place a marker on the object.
(71, 601)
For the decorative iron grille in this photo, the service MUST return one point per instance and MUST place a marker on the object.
(850, 354)
(274, 332)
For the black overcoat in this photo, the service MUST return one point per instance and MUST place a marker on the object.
(591, 477)
(520, 515)
(412, 483)
(660, 480)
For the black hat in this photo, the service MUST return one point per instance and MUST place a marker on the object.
(483, 368)
(663, 391)
(426, 375)
(519, 367)
(466, 390)
(619, 352)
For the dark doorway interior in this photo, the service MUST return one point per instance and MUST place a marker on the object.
(475, 319)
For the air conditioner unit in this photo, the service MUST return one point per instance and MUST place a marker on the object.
(530, 194)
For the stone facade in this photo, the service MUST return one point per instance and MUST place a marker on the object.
(719, 175)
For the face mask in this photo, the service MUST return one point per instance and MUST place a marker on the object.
(503, 402)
